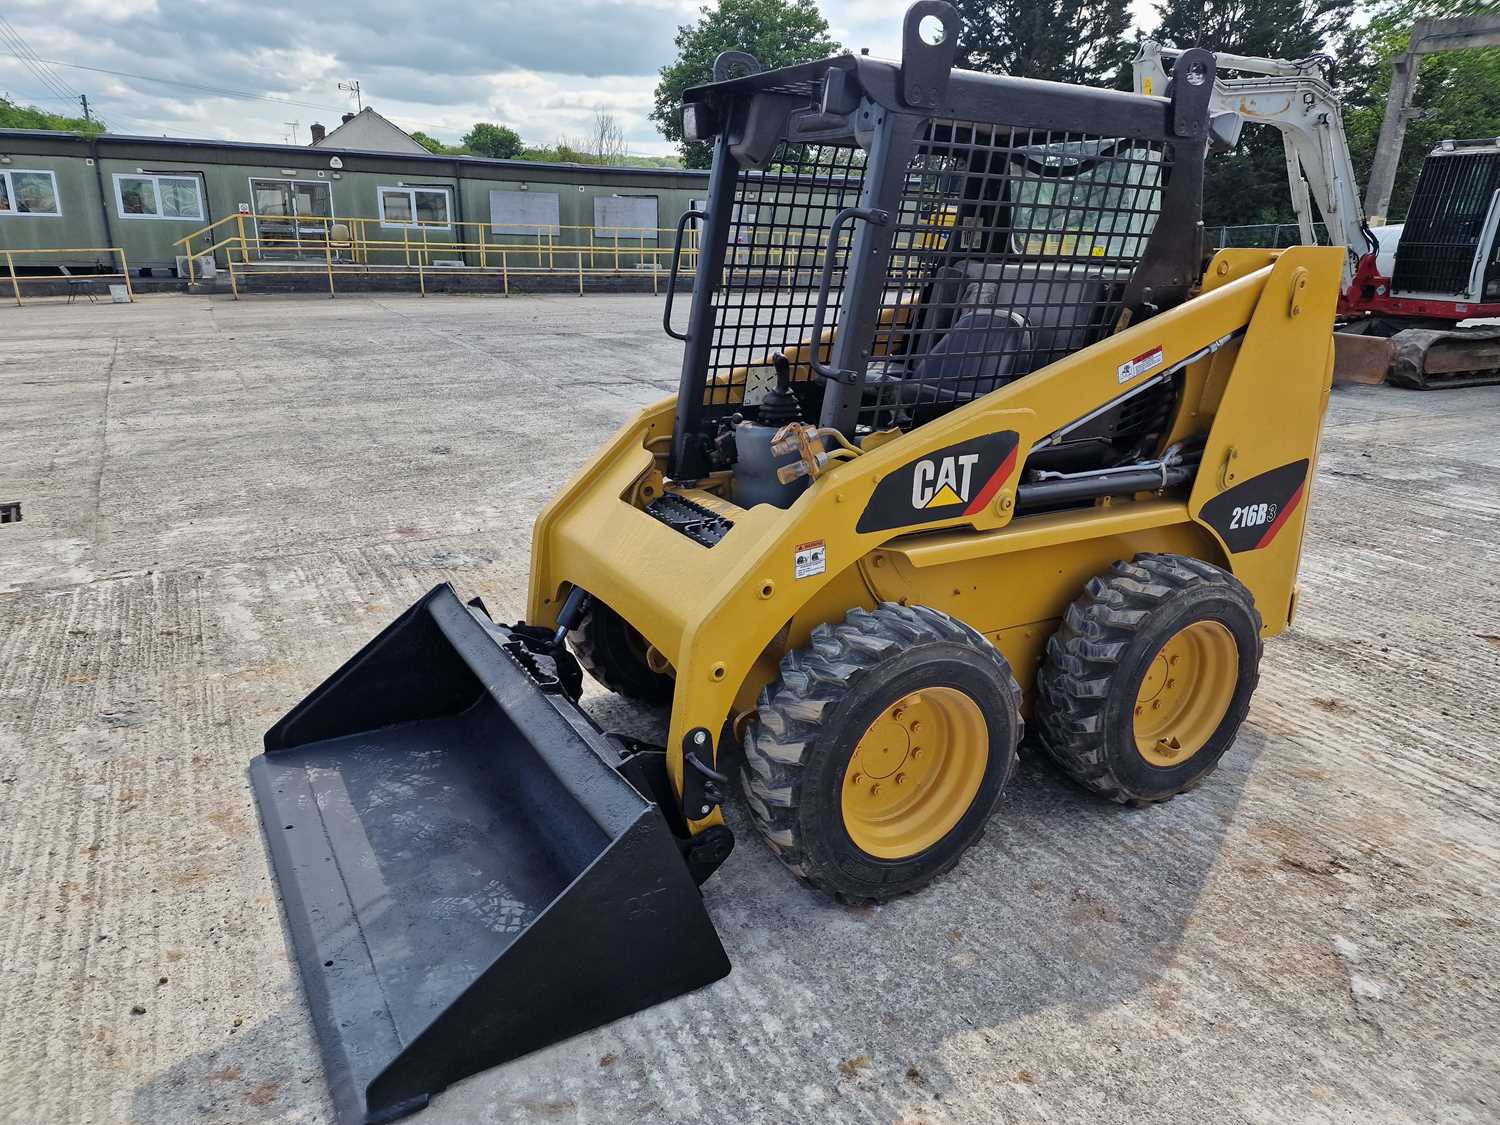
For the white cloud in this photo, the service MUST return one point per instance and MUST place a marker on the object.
(539, 67)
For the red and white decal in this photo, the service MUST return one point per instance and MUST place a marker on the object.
(1146, 361)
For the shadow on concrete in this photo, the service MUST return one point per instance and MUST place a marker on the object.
(1068, 901)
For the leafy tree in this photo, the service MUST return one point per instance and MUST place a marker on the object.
(1080, 41)
(435, 146)
(13, 115)
(1249, 184)
(500, 142)
(776, 32)
(1457, 94)
(565, 151)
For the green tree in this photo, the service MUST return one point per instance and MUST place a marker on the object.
(13, 115)
(1249, 185)
(500, 142)
(1457, 94)
(776, 32)
(435, 146)
(1080, 41)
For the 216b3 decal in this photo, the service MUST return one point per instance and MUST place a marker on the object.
(1251, 514)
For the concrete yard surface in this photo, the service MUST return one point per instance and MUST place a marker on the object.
(224, 500)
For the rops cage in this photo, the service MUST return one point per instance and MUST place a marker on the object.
(911, 236)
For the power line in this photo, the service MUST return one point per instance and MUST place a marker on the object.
(193, 86)
(22, 51)
(37, 97)
(29, 59)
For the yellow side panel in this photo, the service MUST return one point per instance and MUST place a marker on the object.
(1017, 598)
(1258, 465)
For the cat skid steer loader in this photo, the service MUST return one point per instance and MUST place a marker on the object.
(962, 436)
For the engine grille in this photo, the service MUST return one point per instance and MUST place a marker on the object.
(1445, 222)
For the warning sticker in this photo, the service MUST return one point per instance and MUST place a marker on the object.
(812, 558)
(1146, 361)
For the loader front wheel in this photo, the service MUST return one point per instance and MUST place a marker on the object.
(614, 653)
(1147, 680)
(875, 759)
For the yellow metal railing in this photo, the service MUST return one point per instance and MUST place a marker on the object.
(333, 246)
(18, 280)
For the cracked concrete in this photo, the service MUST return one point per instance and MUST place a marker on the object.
(224, 500)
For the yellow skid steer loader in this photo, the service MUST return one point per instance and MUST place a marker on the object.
(961, 436)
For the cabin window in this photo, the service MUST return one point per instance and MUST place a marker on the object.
(158, 197)
(414, 207)
(533, 214)
(28, 193)
(625, 216)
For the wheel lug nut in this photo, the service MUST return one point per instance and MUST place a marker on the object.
(1155, 704)
(1171, 683)
(916, 751)
(1173, 660)
(1140, 710)
(856, 779)
(900, 779)
(875, 790)
(916, 726)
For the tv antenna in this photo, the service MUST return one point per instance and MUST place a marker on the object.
(352, 87)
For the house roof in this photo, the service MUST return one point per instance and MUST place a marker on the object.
(289, 152)
(369, 130)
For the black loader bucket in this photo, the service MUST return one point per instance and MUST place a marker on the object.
(467, 876)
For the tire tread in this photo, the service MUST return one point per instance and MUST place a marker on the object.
(1084, 655)
(791, 710)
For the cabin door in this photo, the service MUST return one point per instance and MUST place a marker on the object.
(288, 216)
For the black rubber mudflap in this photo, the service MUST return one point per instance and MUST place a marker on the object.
(466, 875)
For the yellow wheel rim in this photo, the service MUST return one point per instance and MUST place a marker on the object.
(1186, 693)
(915, 773)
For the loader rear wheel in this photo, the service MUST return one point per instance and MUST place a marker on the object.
(1147, 680)
(876, 758)
(614, 653)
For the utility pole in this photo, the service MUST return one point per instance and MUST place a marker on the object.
(1428, 37)
(84, 99)
(352, 87)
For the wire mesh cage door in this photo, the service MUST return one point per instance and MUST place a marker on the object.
(764, 243)
(907, 261)
(1007, 247)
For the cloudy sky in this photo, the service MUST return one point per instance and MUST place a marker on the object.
(541, 67)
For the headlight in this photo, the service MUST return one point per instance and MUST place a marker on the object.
(698, 122)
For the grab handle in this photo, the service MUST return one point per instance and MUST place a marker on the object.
(847, 215)
(666, 312)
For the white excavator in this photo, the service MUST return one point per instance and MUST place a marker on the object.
(1407, 288)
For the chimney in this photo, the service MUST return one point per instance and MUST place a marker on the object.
(318, 133)
(348, 117)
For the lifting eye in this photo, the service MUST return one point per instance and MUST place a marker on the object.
(932, 31)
